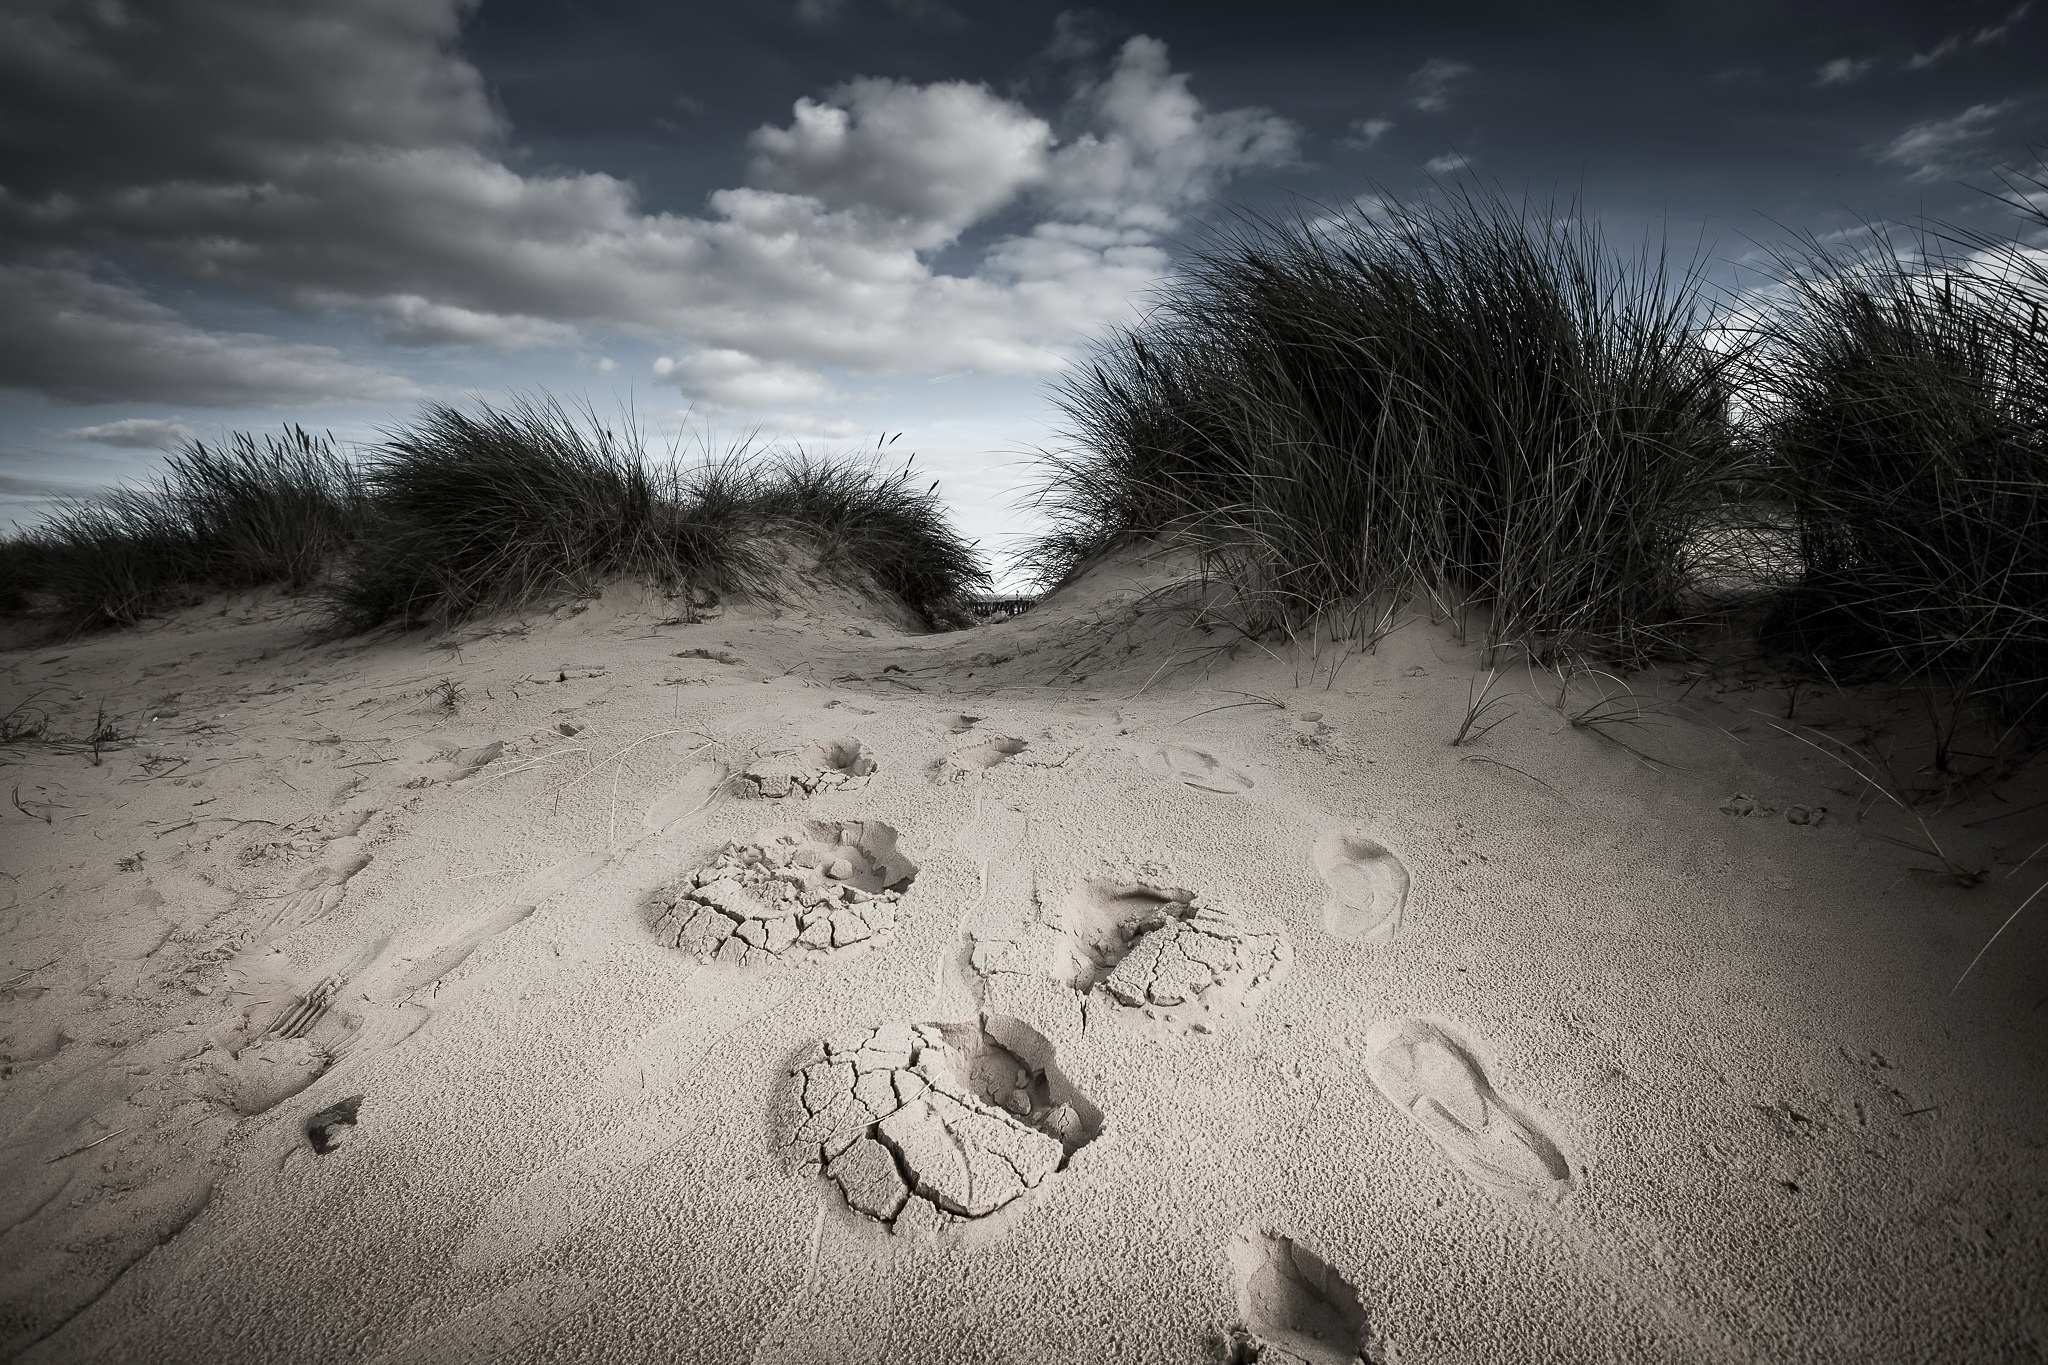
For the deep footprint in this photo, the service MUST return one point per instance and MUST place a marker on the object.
(1293, 1309)
(1161, 952)
(804, 890)
(1436, 1082)
(924, 1124)
(819, 767)
(1368, 888)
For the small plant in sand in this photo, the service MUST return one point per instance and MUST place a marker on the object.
(448, 695)
(24, 722)
(1480, 704)
(103, 736)
(1612, 711)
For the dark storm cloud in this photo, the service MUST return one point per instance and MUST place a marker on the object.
(67, 335)
(346, 155)
(767, 191)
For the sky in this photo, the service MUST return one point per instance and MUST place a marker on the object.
(833, 222)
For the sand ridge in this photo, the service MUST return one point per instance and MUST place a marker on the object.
(350, 1025)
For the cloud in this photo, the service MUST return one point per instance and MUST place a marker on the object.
(411, 320)
(735, 380)
(346, 157)
(936, 157)
(1450, 163)
(1930, 149)
(1848, 70)
(137, 433)
(1433, 82)
(1843, 70)
(1966, 39)
(1158, 151)
(1366, 132)
(68, 335)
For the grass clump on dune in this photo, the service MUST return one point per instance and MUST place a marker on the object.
(501, 507)
(1461, 397)
(245, 514)
(459, 512)
(1905, 405)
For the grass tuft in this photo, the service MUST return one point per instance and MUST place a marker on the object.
(506, 506)
(1904, 402)
(1459, 396)
(241, 515)
(459, 512)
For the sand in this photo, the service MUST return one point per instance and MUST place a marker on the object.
(786, 986)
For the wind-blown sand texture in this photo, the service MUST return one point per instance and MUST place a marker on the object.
(1084, 1007)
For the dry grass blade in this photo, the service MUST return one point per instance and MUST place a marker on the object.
(1479, 703)
(1877, 777)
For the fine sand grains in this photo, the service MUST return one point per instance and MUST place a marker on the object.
(612, 1012)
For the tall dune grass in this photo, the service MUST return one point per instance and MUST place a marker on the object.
(242, 514)
(1904, 402)
(505, 506)
(1463, 397)
(458, 512)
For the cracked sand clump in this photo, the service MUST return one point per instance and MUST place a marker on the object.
(1164, 952)
(924, 1124)
(815, 768)
(805, 890)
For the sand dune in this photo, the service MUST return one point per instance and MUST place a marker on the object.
(786, 987)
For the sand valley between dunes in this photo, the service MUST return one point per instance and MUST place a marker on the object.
(786, 987)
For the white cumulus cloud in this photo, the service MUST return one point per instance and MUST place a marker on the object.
(347, 157)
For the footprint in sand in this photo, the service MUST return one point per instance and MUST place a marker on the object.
(823, 766)
(1292, 1308)
(921, 1125)
(290, 1031)
(1161, 952)
(1432, 1079)
(321, 888)
(1197, 768)
(1368, 888)
(805, 890)
(974, 759)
